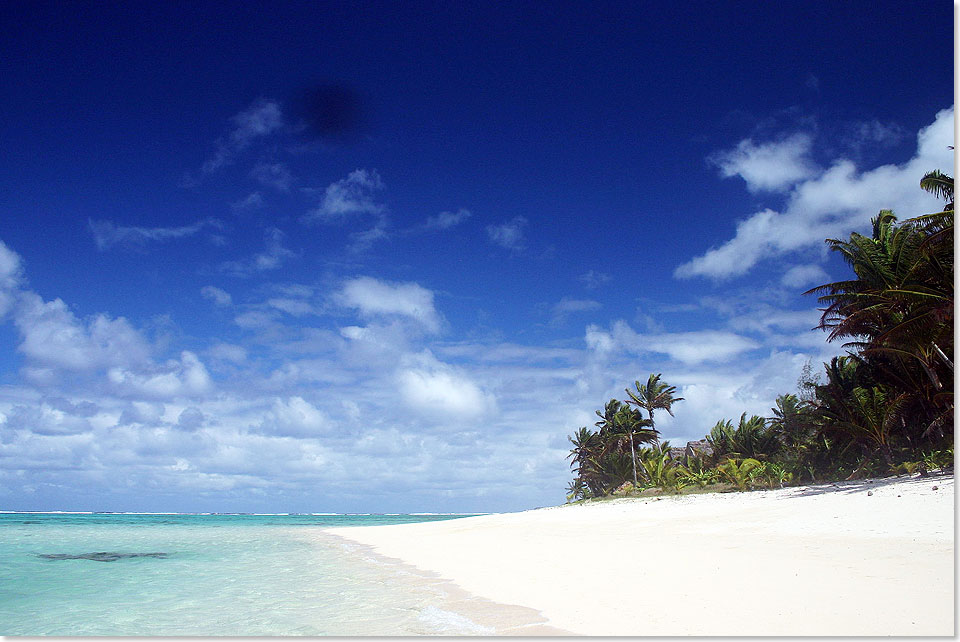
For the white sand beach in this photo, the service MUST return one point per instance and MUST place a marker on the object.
(854, 558)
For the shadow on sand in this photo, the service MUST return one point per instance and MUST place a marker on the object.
(864, 485)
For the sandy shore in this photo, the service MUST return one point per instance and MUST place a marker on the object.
(856, 558)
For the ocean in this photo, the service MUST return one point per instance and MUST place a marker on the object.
(66, 574)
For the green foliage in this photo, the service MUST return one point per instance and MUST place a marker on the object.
(659, 471)
(741, 473)
(695, 472)
(751, 438)
(939, 459)
(897, 314)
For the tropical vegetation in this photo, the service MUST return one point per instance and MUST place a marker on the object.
(884, 407)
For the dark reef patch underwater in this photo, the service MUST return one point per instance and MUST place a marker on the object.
(101, 557)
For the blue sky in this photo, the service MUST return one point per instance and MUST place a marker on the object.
(387, 256)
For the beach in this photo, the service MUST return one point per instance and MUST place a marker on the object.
(869, 557)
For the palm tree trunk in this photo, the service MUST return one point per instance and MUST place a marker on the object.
(633, 459)
(655, 435)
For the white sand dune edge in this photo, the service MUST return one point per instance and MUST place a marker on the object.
(856, 558)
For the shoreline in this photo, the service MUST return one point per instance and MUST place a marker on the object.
(479, 614)
(872, 557)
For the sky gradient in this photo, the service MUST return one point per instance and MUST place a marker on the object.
(385, 257)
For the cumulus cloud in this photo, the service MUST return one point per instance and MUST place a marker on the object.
(349, 197)
(176, 378)
(437, 389)
(262, 118)
(374, 298)
(43, 419)
(106, 234)
(11, 278)
(770, 166)
(191, 418)
(216, 295)
(509, 235)
(447, 220)
(52, 336)
(295, 417)
(829, 204)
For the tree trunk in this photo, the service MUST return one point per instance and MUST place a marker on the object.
(654, 429)
(633, 459)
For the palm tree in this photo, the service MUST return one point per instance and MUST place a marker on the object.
(791, 424)
(620, 424)
(655, 395)
(898, 310)
(940, 185)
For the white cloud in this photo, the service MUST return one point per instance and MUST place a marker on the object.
(374, 298)
(11, 278)
(184, 377)
(509, 235)
(295, 417)
(262, 118)
(771, 166)
(447, 220)
(215, 294)
(437, 389)
(831, 204)
(686, 347)
(107, 235)
(53, 337)
(349, 197)
(802, 275)
(43, 419)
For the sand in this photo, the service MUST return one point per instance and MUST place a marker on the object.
(855, 558)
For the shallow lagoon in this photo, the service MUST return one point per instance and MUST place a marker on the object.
(237, 575)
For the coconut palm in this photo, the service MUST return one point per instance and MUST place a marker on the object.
(898, 312)
(940, 185)
(620, 426)
(792, 425)
(654, 395)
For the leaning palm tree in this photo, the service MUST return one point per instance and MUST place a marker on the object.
(654, 395)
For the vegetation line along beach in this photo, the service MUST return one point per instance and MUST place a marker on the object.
(885, 407)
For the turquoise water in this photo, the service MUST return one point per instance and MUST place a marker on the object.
(232, 575)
